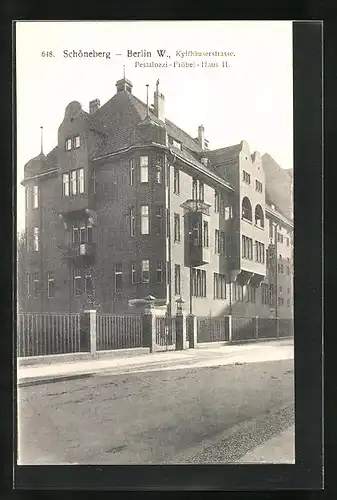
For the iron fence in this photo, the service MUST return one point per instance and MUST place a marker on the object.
(210, 329)
(286, 327)
(243, 328)
(118, 332)
(266, 328)
(41, 334)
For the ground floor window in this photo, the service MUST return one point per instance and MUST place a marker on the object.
(198, 283)
(220, 283)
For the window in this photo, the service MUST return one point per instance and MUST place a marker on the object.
(280, 237)
(35, 280)
(51, 284)
(77, 141)
(198, 283)
(205, 238)
(259, 217)
(264, 293)
(246, 177)
(159, 173)
(280, 268)
(219, 286)
(36, 242)
(238, 292)
(118, 277)
(271, 229)
(287, 241)
(88, 282)
(251, 293)
(132, 222)
(177, 289)
(176, 227)
(75, 238)
(73, 182)
(132, 172)
(228, 212)
(159, 271)
(133, 272)
(158, 220)
(145, 271)
(89, 233)
(144, 169)
(65, 183)
(78, 282)
(194, 189)
(224, 250)
(281, 301)
(82, 233)
(246, 209)
(280, 289)
(36, 196)
(201, 191)
(144, 215)
(216, 202)
(247, 248)
(260, 252)
(28, 277)
(288, 270)
(176, 144)
(217, 241)
(258, 186)
(80, 180)
(176, 180)
(68, 144)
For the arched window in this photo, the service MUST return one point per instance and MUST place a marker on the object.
(259, 217)
(246, 209)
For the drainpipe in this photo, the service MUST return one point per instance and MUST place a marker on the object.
(168, 222)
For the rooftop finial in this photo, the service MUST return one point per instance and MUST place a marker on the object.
(147, 99)
(41, 139)
(157, 85)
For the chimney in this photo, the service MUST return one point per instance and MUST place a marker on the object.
(159, 104)
(201, 136)
(94, 106)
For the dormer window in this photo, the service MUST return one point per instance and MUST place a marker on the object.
(176, 144)
(68, 144)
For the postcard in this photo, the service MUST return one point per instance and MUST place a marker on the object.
(155, 243)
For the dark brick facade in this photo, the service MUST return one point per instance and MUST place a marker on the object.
(98, 264)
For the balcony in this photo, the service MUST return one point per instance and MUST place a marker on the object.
(81, 253)
(196, 206)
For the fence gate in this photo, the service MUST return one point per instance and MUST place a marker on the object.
(166, 333)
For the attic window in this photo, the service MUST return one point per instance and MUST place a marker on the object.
(176, 144)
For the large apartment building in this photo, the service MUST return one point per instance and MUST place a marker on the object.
(129, 205)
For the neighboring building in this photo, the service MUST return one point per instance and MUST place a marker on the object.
(127, 204)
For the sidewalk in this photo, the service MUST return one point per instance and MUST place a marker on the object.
(282, 445)
(200, 357)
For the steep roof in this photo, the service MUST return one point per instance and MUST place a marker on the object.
(223, 155)
(278, 186)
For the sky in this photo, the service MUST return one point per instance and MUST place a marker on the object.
(247, 97)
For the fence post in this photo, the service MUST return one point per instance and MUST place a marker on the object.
(88, 331)
(180, 320)
(193, 332)
(149, 328)
(257, 327)
(277, 328)
(230, 328)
